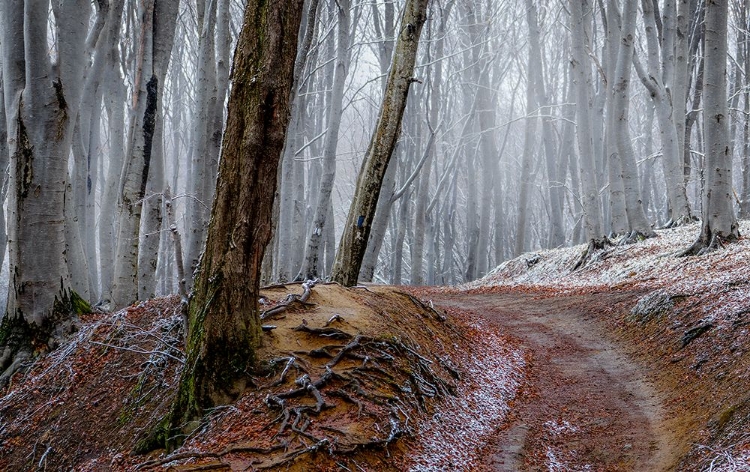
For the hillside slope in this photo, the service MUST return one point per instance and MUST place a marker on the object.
(689, 322)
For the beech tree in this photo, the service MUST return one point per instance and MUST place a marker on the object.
(223, 322)
(42, 100)
(362, 210)
(157, 29)
(580, 18)
(638, 225)
(718, 219)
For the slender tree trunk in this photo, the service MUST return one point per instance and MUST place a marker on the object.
(362, 211)
(657, 87)
(637, 223)
(617, 213)
(556, 230)
(745, 38)
(580, 20)
(310, 269)
(524, 182)
(198, 204)
(224, 324)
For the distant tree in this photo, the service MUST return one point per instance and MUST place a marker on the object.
(719, 222)
(223, 322)
(311, 267)
(157, 30)
(580, 19)
(362, 210)
(638, 225)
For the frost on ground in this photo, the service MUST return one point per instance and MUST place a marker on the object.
(682, 298)
(556, 459)
(555, 464)
(730, 462)
(452, 438)
(648, 265)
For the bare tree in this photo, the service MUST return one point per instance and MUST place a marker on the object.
(224, 324)
(638, 225)
(719, 223)
(41, 102)
(362, 211)
(580, 32)
(311, 267)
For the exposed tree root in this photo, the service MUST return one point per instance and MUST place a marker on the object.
(378, 381)
(701, 247)
(635, 237)
(596, 250)
(681, 221)
(332, 333)
(235, 449)
(291, 300)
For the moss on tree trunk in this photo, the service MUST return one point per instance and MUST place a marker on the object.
(223, 317)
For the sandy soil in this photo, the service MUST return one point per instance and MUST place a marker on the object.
(587, 405)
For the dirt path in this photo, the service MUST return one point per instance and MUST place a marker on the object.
(587, 406)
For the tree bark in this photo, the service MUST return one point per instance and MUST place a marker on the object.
(311, 269)
(719, 223)
(362, 211)
(636, 218)
(41, 103)
(224, 323)
(655, 83)
(582, 78)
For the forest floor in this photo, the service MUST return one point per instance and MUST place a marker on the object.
(638, 361)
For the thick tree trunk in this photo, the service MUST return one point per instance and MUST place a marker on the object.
(41, 103)
(224, 324)
(719, 223)
(362, 211)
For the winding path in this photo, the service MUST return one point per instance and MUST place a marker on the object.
(587, 406)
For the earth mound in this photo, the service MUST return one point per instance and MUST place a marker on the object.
(350, 378)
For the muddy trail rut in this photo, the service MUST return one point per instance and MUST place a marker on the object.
(587, 405)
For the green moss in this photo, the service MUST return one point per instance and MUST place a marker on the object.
(156, 438)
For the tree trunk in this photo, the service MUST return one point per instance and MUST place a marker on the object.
(311, 269)
(41, 103)
(637, 223)
(158, 20)
(656, 84)
(618, 215)
(556, 235)
(198, 204)
(224, 324)
(582, 78)
(362, 211)
(719, 223)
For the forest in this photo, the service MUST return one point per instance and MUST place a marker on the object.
(208, 148)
